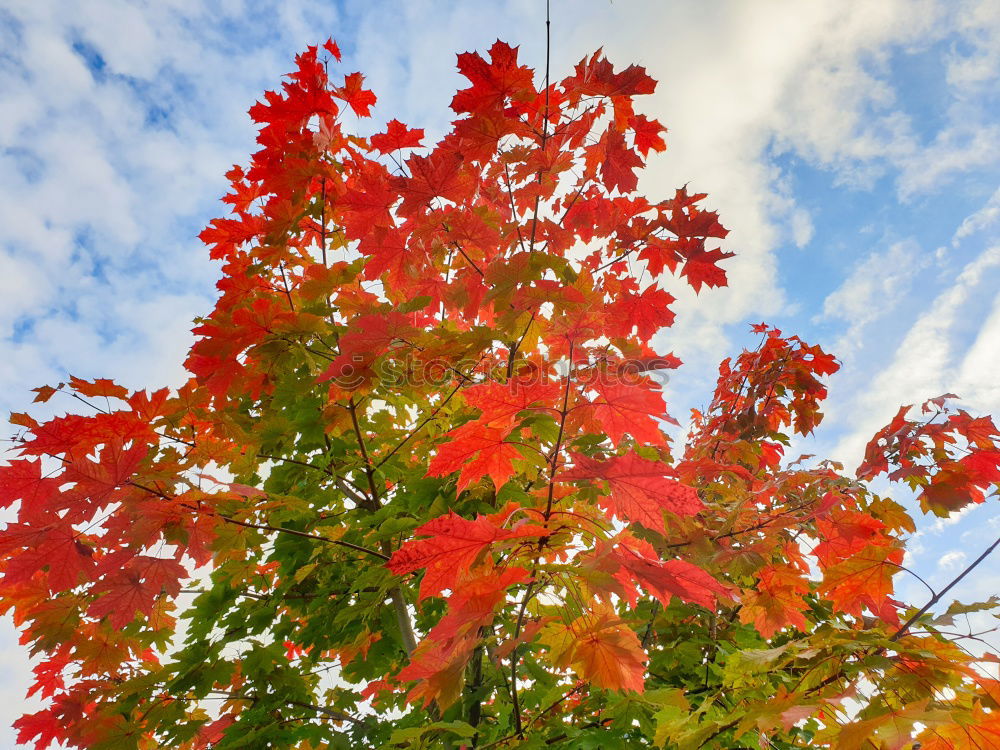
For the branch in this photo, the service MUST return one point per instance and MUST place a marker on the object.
(554, 464)
(329, 713)
(369, 471)
(260, 526)
(545, 125)
(396, 593)
(419, 427)
(517, 345)
(513, 658)
(937, 597)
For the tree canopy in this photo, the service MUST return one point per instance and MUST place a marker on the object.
(418, 491)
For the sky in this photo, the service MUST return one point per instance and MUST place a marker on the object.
(852, 148)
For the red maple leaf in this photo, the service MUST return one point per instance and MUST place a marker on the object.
(493, 81)
(474, 600)
(500, 401)
(863, 580)
(437, 668)
(21, 480)
(619, 163)
(453, 545)
(601, 649)
(396, 136)
(49, 676)
(701, 268)
(665, 578)
(639, 490)
(134, 587)
(631, 408)
(648, 134)
(54, 548)
(100, 482)
(647, 311)
(99, 387)
(41, 727)
(476, 450)
(367, 200)
(359, 99)
(387, 253)
(776, 601)
(597, 77)
(368, 338)
(331, 46)
(437, 175)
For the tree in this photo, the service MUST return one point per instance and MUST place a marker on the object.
(417, 491)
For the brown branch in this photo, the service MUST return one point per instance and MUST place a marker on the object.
(554, 463)
(513, 658)
(513, 208)
(329, 713)
(517, 345)
(419, 427)
(396, 593)
(937, 597)
(352, 408)
(469, 260)
(545, 125)
(259, 526)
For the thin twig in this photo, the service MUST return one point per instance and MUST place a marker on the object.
(937, 597)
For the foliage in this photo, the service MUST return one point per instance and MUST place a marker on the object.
(417, 491)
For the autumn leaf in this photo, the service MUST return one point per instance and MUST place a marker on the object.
(597, 77)
(474, 600)
(701, 269)
(648, 134)
(501, 401)
(133, 588)
(397, 136)
(476, 451)
(600, 648)
(102, 387)
(493, 81)
(359, 99)
(639, 490)
(452, 545)
(776, 601)
(632, 408)
(438, 175)
(438, 670)
(55, 548)
(620, 161)
(648, 312)
(863, 580)
(21, 480)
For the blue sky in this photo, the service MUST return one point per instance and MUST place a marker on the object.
(853, 148)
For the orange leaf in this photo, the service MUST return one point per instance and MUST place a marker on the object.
(601, 649)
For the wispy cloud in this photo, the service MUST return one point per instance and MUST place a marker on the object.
(927, 360)
(872, 290)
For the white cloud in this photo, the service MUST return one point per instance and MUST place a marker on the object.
(984, 217)
(960, 147)
(951, 559)
(802, 228)
(926, 362)
(873, 289)
(979, 21)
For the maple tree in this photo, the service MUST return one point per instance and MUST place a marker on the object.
(418, 492)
